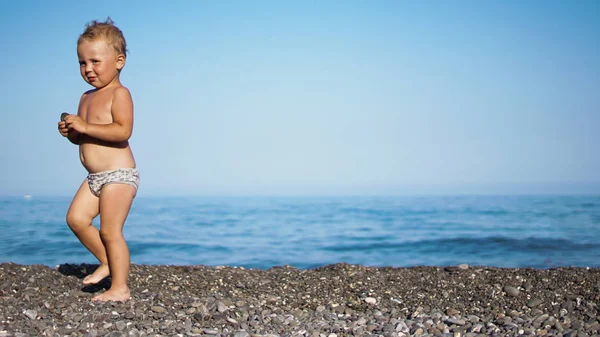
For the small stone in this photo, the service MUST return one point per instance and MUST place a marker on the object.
(221, 307)
(121, 325)
(473, 318)
(512, 291)
(463, 266)
(158, 309)
(456, 321)
(538, 320)
(534, 302)
(452, 312)
(31, 314)
(477, 328)
(371, 300)
(535, 312)
(558, 326)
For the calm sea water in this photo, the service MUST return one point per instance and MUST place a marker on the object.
(261, 232)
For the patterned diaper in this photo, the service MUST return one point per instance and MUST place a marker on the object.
(129, 176)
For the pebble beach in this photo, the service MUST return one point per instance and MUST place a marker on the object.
(333, 300)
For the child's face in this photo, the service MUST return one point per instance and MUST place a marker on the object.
(99, 63)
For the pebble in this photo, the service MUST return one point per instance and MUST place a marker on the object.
(221, 307)
(534, 302)
(158, 309)
(512, 291)
(371, 300)
(31, 314)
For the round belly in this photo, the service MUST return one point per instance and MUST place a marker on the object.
(99, 158)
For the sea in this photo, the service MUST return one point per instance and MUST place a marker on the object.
(309, 232)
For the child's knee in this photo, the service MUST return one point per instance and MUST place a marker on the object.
(110, 235)
(76, 221)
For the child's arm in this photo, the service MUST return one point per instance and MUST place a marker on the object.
(119, 130)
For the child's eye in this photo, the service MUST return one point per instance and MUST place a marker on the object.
(94, 62)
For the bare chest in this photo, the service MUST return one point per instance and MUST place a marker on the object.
(96, 108)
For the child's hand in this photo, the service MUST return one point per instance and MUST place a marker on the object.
(76, 123)
(62, 128)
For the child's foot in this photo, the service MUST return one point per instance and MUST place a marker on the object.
(116, 295)
(98, 275)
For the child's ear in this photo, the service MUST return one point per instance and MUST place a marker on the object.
(120, 61)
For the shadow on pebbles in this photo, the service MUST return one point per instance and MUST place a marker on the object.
(334, 300)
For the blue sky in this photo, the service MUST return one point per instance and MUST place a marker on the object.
(308, 97)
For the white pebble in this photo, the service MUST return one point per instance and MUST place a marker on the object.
(31, 314)
(370, 300)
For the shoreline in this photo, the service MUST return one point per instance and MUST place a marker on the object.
(340, 299)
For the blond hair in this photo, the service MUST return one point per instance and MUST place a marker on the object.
(96, 30)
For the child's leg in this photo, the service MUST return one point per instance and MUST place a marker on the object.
(84, 208)
(115, 202)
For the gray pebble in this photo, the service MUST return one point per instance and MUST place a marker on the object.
(512, 291)
(455, 321)
(534, 302)
(221, 307)
(158, 309)
(121, 325)
(31, 314)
